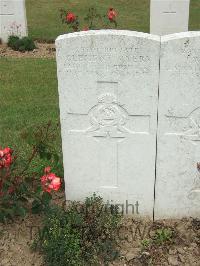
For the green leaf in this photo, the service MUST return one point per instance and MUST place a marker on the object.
(38, 190)
(46, 197)
(36, 207)
(48, 156)
(21, 211)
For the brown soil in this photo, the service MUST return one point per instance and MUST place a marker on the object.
(44, 50)
(183, 249)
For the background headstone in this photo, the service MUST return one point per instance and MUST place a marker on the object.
(108, 93)
(169, 16)
(178, 181)
(12, 19)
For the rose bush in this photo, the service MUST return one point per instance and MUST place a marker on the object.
(23, 188)
(93, 19)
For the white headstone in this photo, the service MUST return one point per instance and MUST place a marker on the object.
(178, 181)
(169, 16)
(108, 93)
(12, 19)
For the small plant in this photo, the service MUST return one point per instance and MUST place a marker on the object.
(162, 236)
(21, 44)
(160, 240)
(92, 19)
(12, 42)
(82, 234)
(145, 243)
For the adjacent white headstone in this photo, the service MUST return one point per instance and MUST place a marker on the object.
(108, 93)
(169, 16)
(12, 19)
(178, 181)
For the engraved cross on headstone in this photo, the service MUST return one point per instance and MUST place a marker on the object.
(170, 10)
(109, 127)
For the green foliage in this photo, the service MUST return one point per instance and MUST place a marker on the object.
(58, 240)
(93, 20)
(82, 234)
(26, 44)
(13, 42)
(163, 235)
(42, 141)
(145, 243)
(41, 202)
(13, 205)
(21, 44)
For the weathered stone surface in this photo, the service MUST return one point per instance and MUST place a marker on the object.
(169, 16)
(108, 90)
(12, 19)
(178, 181)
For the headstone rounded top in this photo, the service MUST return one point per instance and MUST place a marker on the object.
(108, 32)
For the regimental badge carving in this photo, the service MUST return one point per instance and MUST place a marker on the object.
(191, 129)
(108, 117)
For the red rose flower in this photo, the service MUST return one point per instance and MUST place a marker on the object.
(5, 157)
(7, 160)
(8, 150)
(50, 181)
(70, 17)
(111, 14)
(55, 184)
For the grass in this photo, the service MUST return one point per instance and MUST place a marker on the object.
(194, 22)
(44, 22)
(28, 96)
